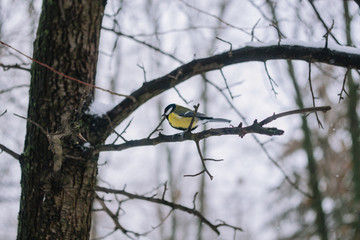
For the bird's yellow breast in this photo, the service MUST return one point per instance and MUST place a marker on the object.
(179, 122)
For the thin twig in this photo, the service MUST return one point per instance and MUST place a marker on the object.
(66, 76)
(179, 94)
(11, 152)
(144, 71)
(313, 97)
(3, 113)
(343, 90)
(194, 199)
(214, 16)
(203, 160)
(193, 117)
(279, 33)
(326, 35)
(14, 66)
(271, 80)
(157, 127)
(143, 43)
(164, 192)
(297, 111)
(119, 135)
(34, 123)
(226, 84)
(322, 21)
(194, 175)
(230, 50)
(14, 87)
(253, 30)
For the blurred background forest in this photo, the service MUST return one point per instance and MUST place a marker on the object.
(263, 184)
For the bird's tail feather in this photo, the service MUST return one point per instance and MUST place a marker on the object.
(218, 120)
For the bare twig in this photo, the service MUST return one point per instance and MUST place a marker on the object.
(194, 175)
(143, 43)
(271, 80)
(343, 90)
(260, 10)
(176, 30)
(279, 33)
(313, 97)
(323, 22)
(34, 123)
(224, 224)
(230, 50)
(66, 76)
(14, 87)
(157, 127)
(119, 135)
(298, 111)
(164, 192)
(326, 35)
(14, 66)
(10, 152)
(253, 30)
(3, 113)
(144, 72)
(226, 84)
(179, 94)
(203, 160)
(214, 16)
(196, 107)
(194, 199)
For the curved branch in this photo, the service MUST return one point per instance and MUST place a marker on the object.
(340, 56)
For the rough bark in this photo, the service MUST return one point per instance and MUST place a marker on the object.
(58, 176)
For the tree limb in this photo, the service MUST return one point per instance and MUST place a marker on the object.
(155, 87)
(256, 127)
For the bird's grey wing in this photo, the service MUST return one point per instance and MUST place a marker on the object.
(191, 114)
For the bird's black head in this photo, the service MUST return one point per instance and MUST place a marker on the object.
(169, 109)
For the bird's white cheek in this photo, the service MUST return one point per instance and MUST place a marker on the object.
(168, 112)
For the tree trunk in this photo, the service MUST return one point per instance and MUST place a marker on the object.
(316, 204)
(354, 127)
(58, 175)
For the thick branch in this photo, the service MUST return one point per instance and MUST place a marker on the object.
(343, 56)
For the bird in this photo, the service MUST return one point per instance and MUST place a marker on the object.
(180, 117)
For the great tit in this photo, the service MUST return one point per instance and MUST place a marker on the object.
(180, 117)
